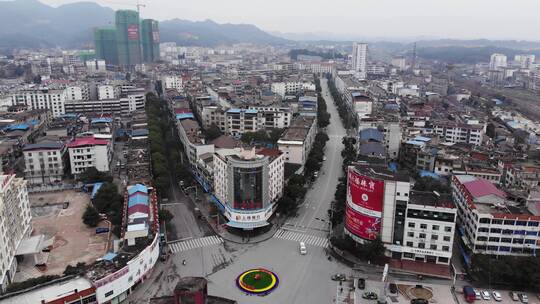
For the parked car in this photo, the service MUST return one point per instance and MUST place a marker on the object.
(338, 277)
(485, 295)
(324, 158)
(392, 287)
(523, 298)
(370, 295)
(497, 296)
(514, 296)
(361, 284)
(477, 295)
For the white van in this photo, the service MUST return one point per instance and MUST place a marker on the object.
(303, 249)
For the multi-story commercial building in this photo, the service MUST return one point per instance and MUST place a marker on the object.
(453, 132)
(248, 185)
(128, 39)
(105, 45)
(150, 40)
(297, 140)
(15, 224)
(96, 66)
(106, 92)
(44, 162)
(78, 92)
(89, 152)
(239, 121)
(359, 59)
(275, 117)
(490, 223)
(42, 98)
(417, 226)
(497, 61)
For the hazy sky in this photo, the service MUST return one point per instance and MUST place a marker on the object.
(505, 19)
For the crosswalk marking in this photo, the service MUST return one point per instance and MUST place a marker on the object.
(195, 243)
(301, 237)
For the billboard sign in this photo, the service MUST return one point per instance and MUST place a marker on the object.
(366, 193)
(133, 32)
(361, 225)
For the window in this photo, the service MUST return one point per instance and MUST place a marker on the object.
(435, 227)
(421, 245)
(448, 229)
(109, 293)
(409, 244)
(445, 248)
(423, 226)
(422, 235)
(446, 239)
(411, 225)
(410, 234)
(433, 247)
(434, 237)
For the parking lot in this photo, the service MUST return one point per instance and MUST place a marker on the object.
(73, 241)
(505, 297)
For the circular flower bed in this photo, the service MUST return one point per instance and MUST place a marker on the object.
(257, 281)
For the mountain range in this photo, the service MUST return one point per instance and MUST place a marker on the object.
(32, 24)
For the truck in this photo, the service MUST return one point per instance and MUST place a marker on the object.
(469, 294)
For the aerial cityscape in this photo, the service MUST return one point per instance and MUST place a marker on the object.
(232, 152)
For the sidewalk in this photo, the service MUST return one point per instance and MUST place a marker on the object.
(219, 227)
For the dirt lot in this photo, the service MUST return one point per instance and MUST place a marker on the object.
(73, 241)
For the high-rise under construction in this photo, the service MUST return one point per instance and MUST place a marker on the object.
(128, 40)
(105, 43)
(150, 40)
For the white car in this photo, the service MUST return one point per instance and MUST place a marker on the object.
(324, 158)
(523, 297)
(477, 295)
(485, 295)
(496, 296)
(303, 249)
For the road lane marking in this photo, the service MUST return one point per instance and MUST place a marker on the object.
(191, 244)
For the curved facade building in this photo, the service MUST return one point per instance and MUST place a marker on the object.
(247, 186)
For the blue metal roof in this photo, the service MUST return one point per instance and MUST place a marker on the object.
(137, 199)
(234, 110)
(182, 116)
(101, 120)
(416, 143)
(139, 132)
(109, 256)
(251, 111)
(424, 173)
(137, 188)
(22, 127)
(371, 134)
(95, 189)
(422, 138)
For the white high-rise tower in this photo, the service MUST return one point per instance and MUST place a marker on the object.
(359, 59)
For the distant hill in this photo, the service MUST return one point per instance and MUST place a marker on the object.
(32, 24)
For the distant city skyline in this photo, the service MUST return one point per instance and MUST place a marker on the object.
(460, 19)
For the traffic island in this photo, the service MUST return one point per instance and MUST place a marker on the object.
(258, 281)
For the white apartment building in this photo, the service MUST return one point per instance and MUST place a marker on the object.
(248, 185)
(525, 61)
(89, 152)
(108, 92)
(297, 140)
(399, 62)
(15, 224)
(79, 92)
(291, 87)
(172, 82)
(359, 59)
(497, 61)
(453, 132)
(275, 117)
(44, 162)
(42, 98)
(489, 223)
(132, 102)
(96, 66)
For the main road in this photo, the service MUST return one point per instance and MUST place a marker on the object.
(313, 213)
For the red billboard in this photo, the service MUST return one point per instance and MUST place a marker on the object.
(361, 225)
(366, 193)
(133, 32)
